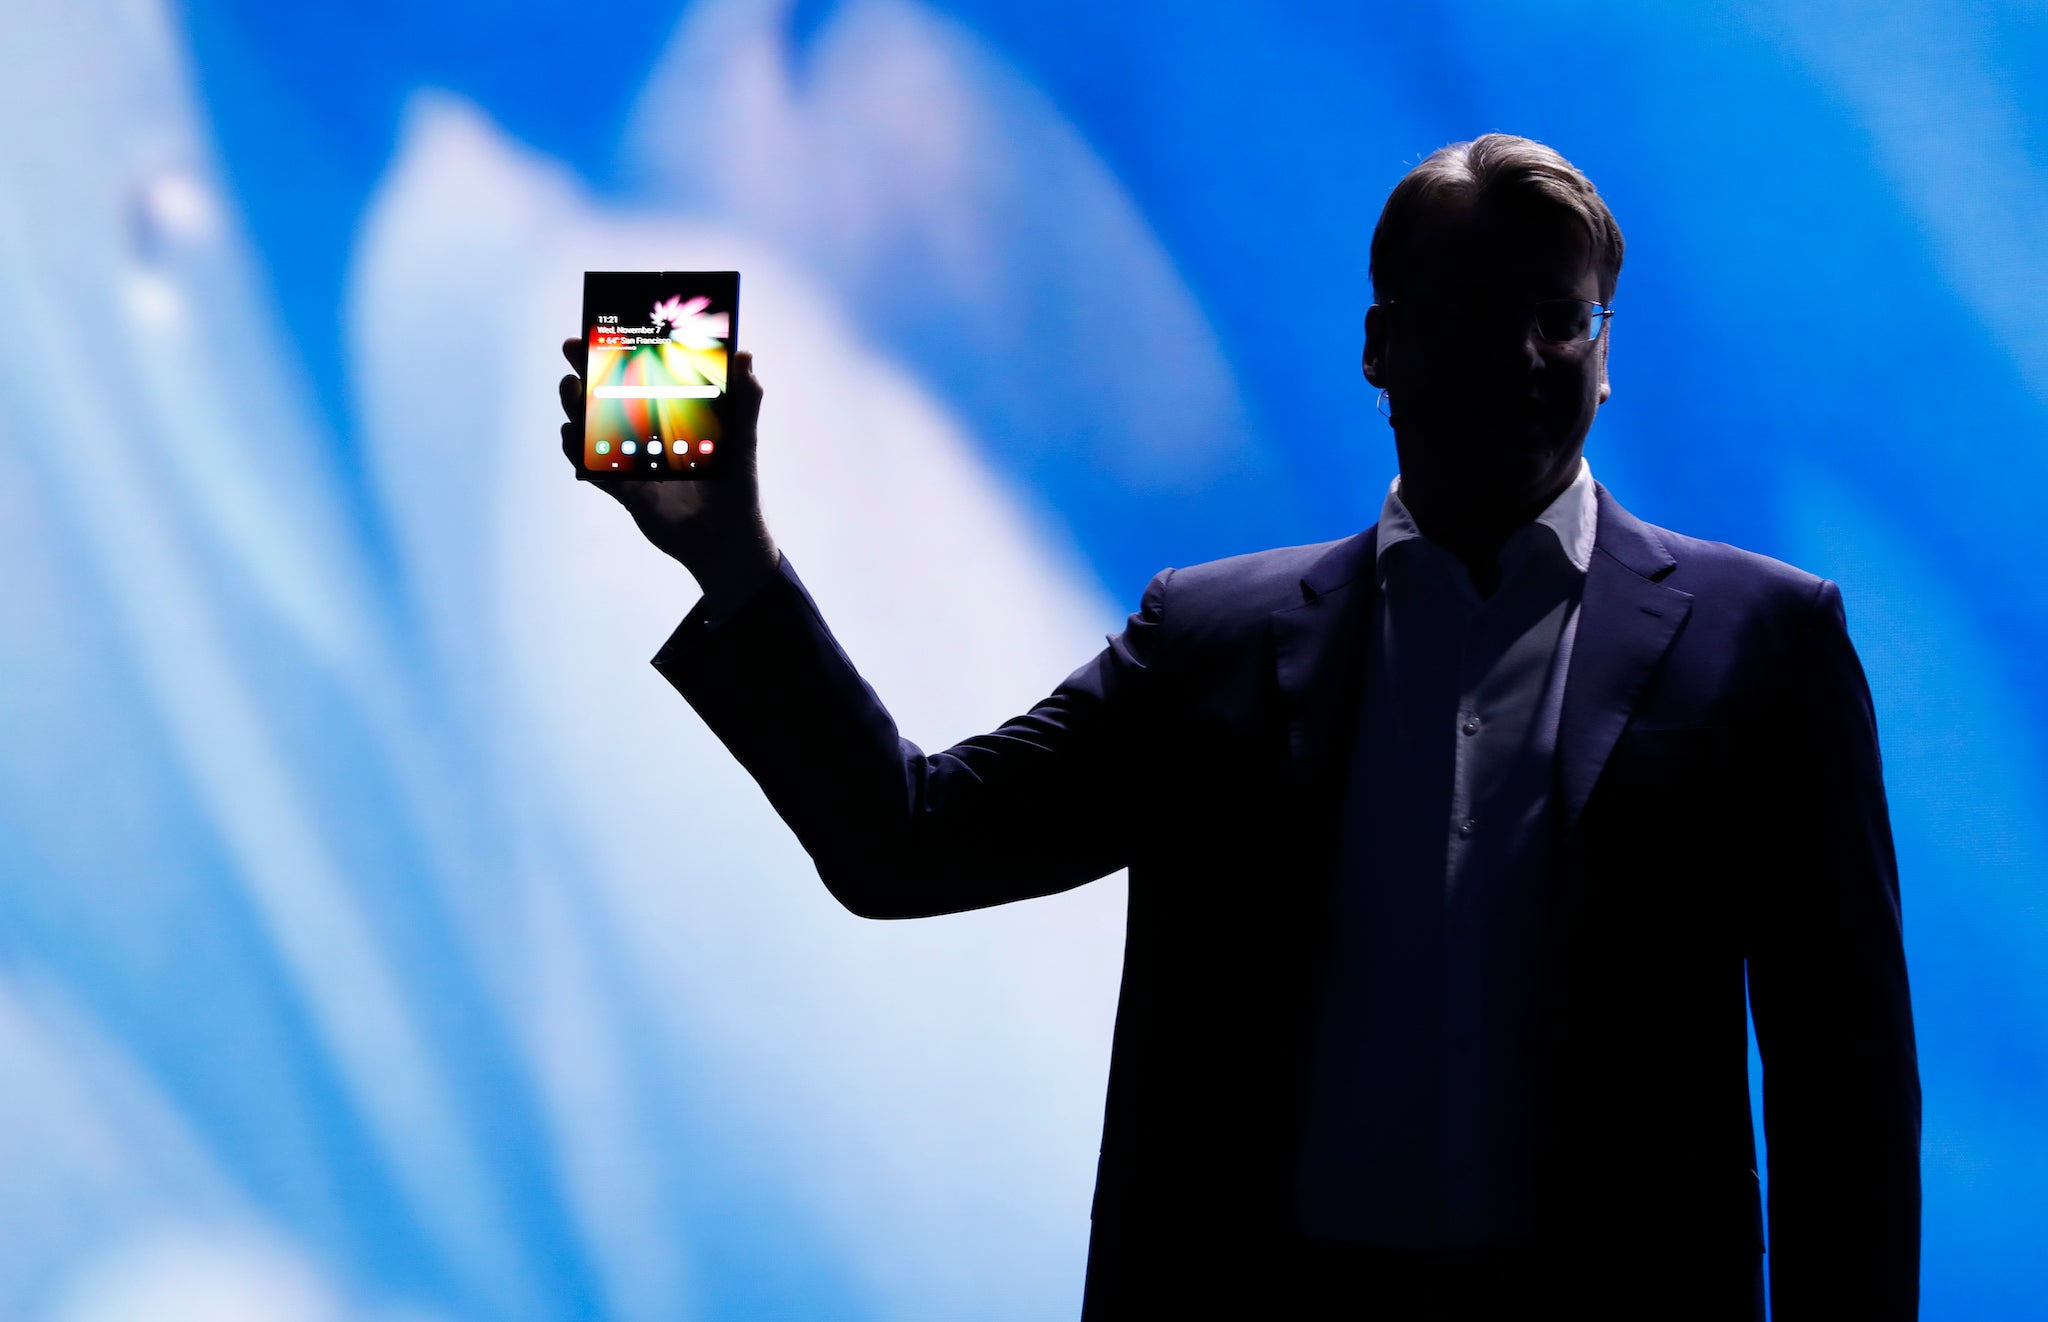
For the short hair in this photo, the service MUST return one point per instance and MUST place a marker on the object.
(1496, 165)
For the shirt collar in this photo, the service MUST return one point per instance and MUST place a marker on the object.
(1572, 517)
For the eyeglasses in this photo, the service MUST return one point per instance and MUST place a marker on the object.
(1558, 320)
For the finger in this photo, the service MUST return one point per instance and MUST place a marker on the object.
(571, 390)
(572, 450)
(610, 484)
(576, 352)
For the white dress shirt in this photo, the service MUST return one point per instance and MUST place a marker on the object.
(1418, 1132)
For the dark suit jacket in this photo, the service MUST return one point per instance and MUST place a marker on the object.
(1720, 811)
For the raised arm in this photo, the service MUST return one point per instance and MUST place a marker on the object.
(1834, 1021)
(1047, 801)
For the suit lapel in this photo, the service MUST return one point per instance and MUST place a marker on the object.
(1627, 622)
(1318, 655)
(1319, 645)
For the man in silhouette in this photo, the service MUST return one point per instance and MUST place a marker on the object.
(1454, 846)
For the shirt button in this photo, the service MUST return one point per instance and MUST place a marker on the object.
(1467, 827)
(1471, 725)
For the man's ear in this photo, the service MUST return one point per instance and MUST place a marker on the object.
(1372, 361)
(1606, 387)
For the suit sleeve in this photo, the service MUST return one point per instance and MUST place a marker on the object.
(1827, 982)
(1042, 804)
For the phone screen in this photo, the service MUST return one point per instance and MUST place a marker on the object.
(660, 345)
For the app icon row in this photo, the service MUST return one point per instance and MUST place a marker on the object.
(653, 447)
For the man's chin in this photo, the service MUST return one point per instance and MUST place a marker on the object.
(1510, 471)
(1510, 455)
(1520, 455)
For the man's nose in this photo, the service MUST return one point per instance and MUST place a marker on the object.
(1510, 343)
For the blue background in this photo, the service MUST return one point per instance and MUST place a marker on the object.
(1829, 348)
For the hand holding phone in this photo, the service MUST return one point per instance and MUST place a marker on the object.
(715, 527)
